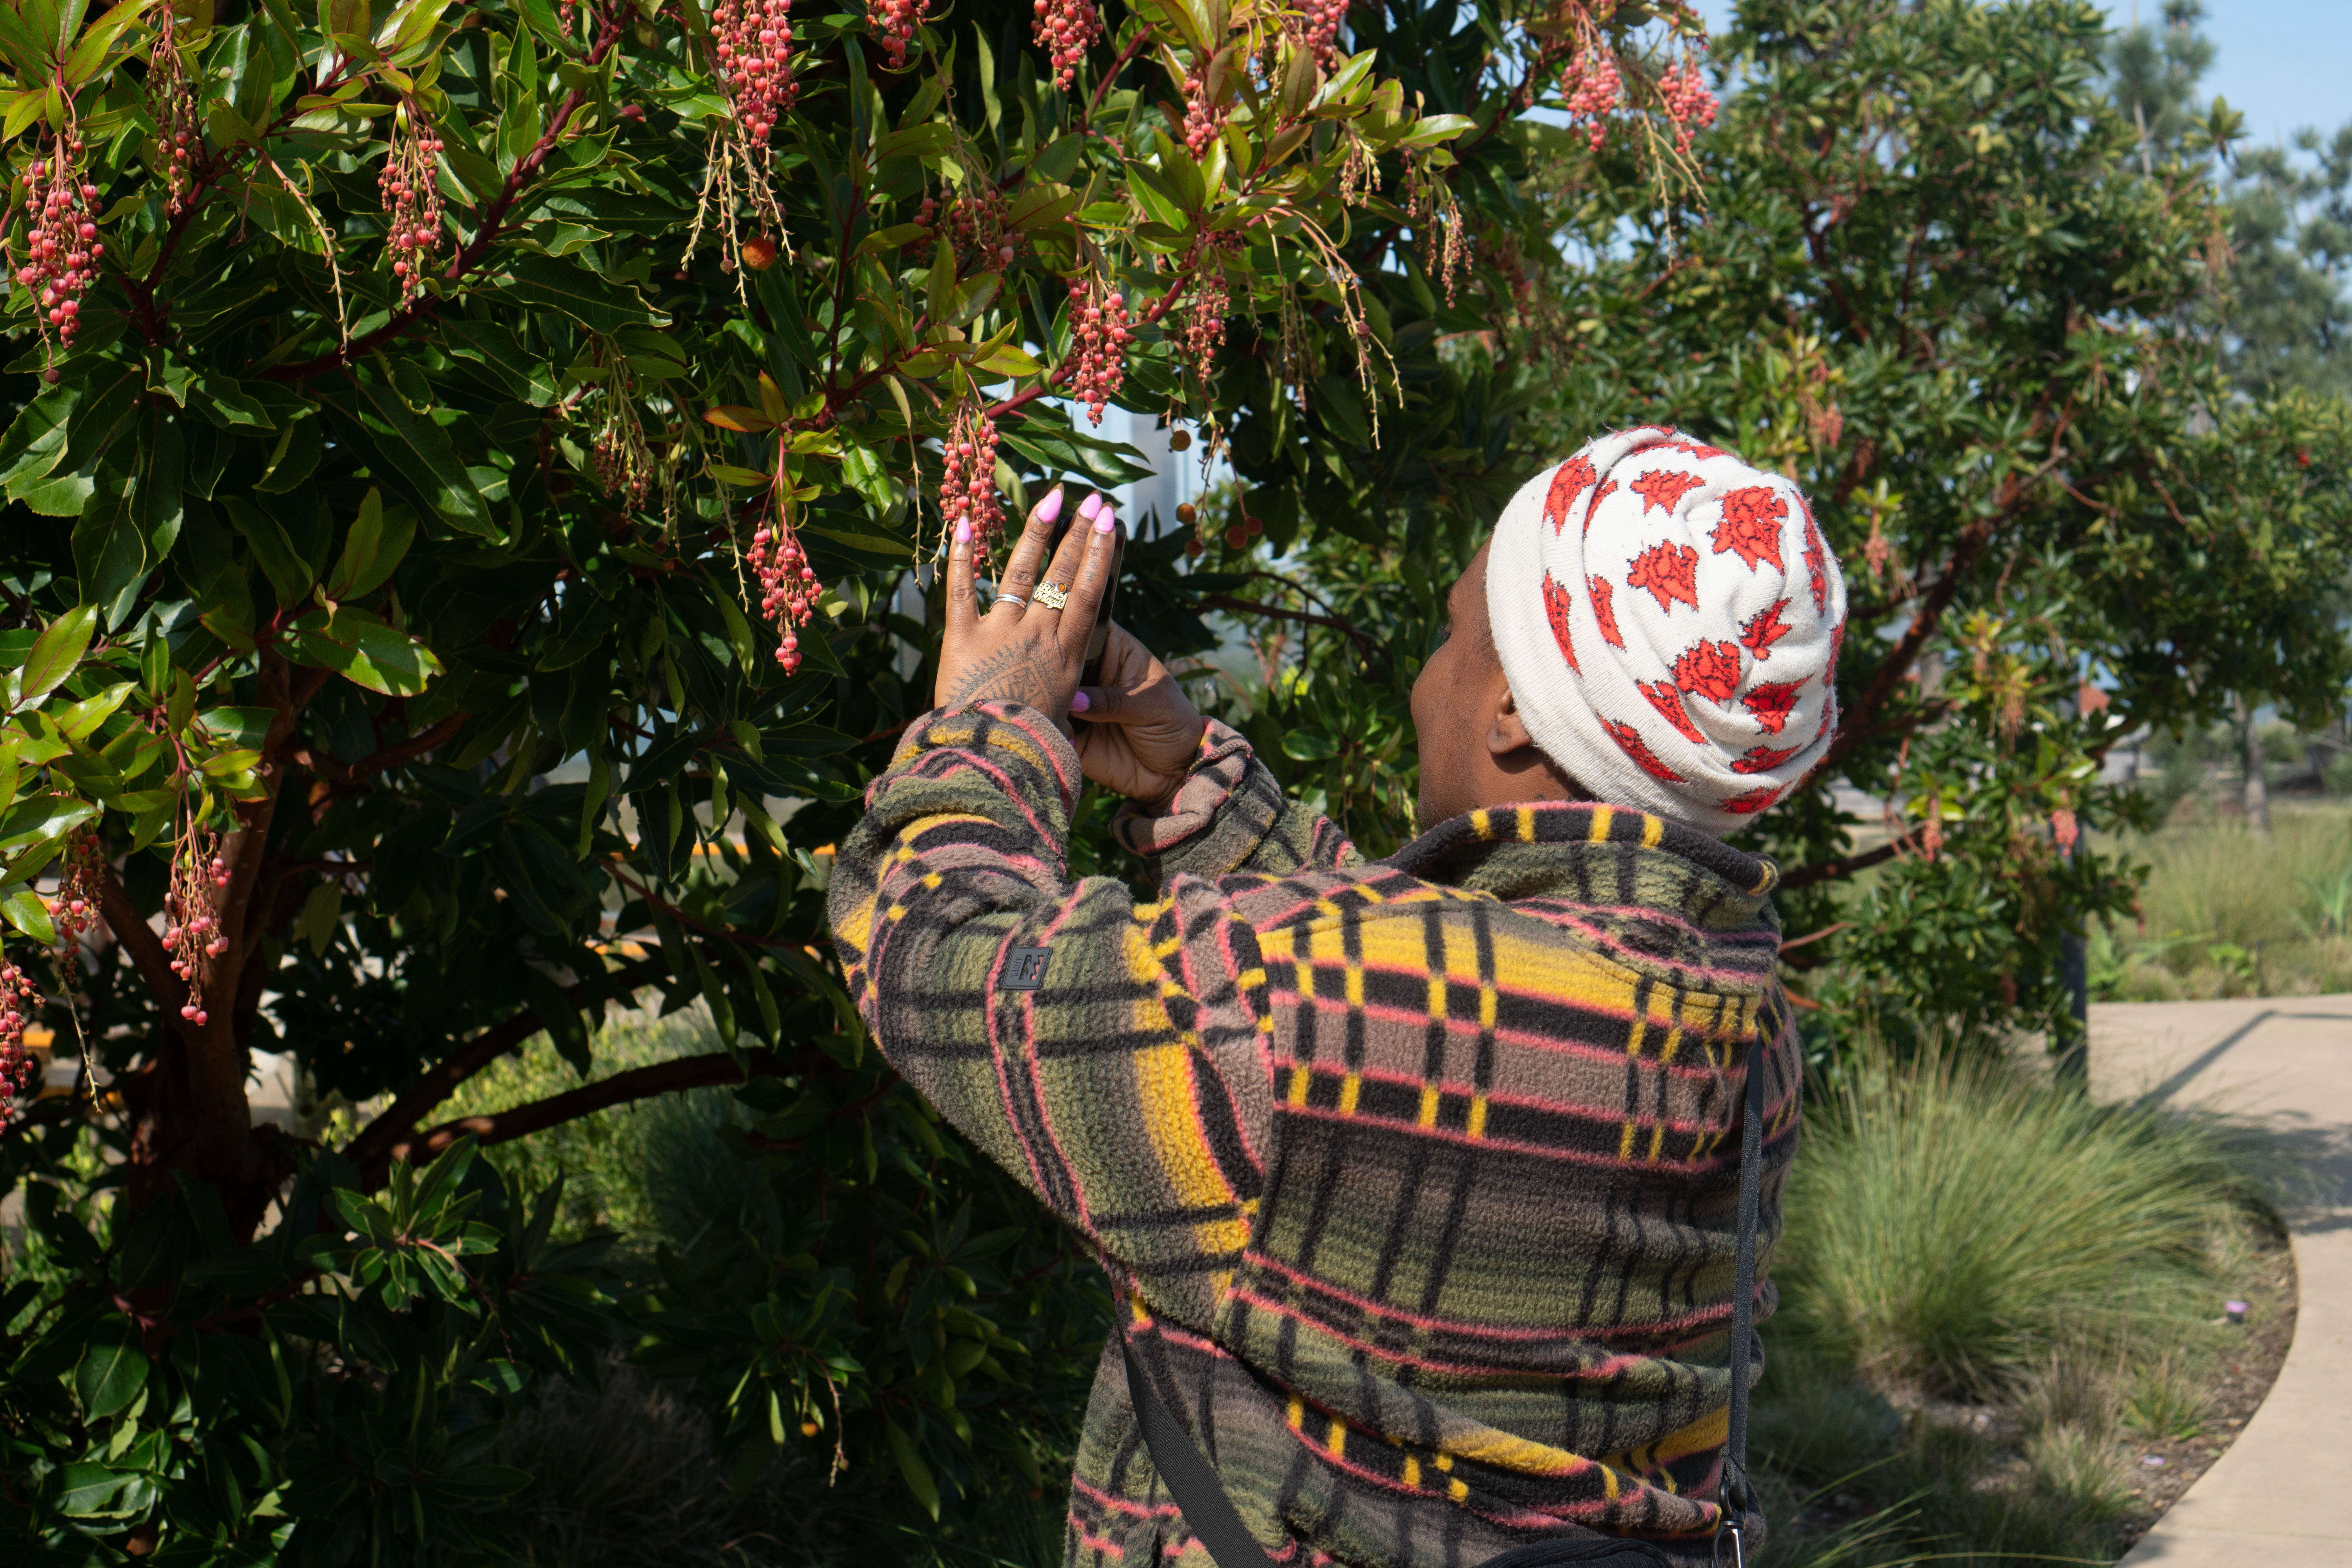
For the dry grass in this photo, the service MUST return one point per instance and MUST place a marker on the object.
(2232, 913)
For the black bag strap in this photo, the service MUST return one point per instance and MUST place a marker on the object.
(1209, 1513)
(1737, 1492)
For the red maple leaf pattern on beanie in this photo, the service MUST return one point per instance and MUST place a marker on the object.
(1556, 605)
(1751, 525)
(1568, 482)
(1669, 704)
(1661, 488)
(1754, 801)
(1771, 701)
(1696, 449)
(1603, 494)
(1817, 557)
(1630, 738)
(1710, 670)
(1605, 610)
(1760, 759)
(1670, 572)
(1759, 631)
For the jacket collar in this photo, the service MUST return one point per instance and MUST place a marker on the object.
(1608, 866)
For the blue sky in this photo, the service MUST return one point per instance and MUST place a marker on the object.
(2280, 62)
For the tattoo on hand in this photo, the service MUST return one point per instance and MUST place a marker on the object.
(1023, 674)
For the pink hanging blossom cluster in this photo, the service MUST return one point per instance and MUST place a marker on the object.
(192, 929)
(895, 23)
(968, 487)
(411, 195)
(1688, 103)
(1066, 30)
(1593, 90)
(172, 104)
(788, 586)
(1098, 340)
(1321, 19)
(1204, 118)
(20, 1004)
(1209, 303)
(974, 226)
(755, 54)
(2064, 828)
(74, 910)
(61, 214)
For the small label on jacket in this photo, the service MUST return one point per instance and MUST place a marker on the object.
(1024, 969)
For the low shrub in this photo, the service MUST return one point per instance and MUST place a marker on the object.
(1951, 1220)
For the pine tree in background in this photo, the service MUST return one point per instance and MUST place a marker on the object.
(2286, 316)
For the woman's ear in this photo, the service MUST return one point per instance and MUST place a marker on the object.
(1508, 731)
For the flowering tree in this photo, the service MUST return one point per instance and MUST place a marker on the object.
(410, 405)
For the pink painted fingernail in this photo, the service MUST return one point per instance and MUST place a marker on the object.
(1091, 505)
(1106, 521)
(1051, 507)
(963, 532)
(1079, 702)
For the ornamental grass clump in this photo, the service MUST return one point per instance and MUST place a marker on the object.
(1952, 1219)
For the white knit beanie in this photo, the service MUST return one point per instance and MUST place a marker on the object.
(1669, 620)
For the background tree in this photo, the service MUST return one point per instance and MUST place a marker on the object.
(408, 408)
(1935, 281)
(2282, 310)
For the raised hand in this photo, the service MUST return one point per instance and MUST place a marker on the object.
(1022, 650)
(1141, 732)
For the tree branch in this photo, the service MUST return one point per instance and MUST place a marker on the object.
(408, 751)
(1363, 640)
(1905, 651)
(1833, 870)
(621, 1089)
(443, 1078)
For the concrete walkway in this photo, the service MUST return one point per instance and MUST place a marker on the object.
(2278, 1497)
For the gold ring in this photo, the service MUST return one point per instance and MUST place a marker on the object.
(1050, 596)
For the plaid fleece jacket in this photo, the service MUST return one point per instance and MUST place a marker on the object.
(1418, 1180)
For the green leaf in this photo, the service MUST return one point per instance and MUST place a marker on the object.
(295, 459)
(88, 1488)
(372, 549)
(112, 1371)
(322, 913)
(1058, 449)
(912, 1466)
(76, 722)
(273, 551)
(363, 649)
(23, 909)
(593, 301)
(109, 555)
(424, 459)
(1433, 128)
(57, 652)
(37, 439)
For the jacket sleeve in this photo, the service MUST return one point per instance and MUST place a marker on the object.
(1230, 815)
(1131, 1090)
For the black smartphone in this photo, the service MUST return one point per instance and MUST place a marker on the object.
(1090, 674)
